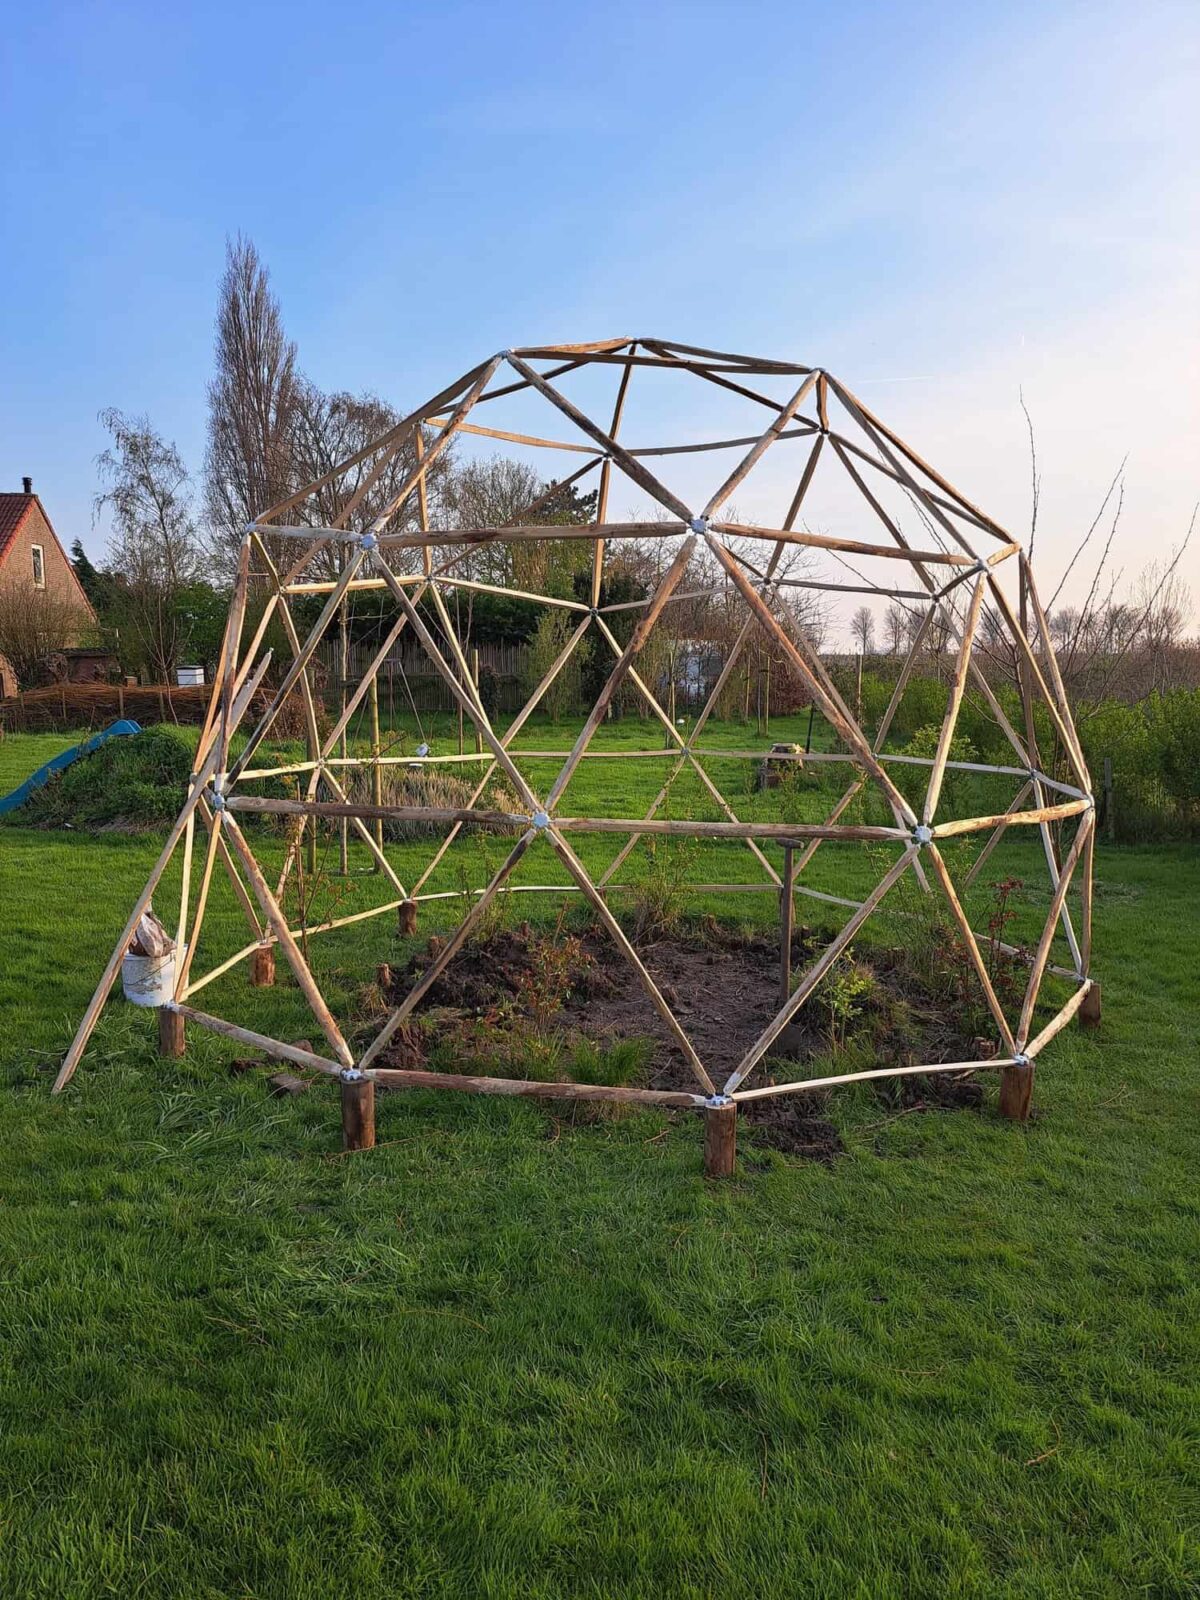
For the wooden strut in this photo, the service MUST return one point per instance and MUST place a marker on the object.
(108, 977)
(214, 789)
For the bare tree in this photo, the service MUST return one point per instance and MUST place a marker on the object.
(251, 403)
(862, 629)
(328, 429)
(895, 625)
(154, 547)
(34, 626)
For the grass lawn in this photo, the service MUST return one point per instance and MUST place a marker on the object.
(510, 1355)
(23, 753)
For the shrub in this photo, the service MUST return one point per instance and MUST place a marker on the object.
(913, 781)
(1154, 747)
(137, 782)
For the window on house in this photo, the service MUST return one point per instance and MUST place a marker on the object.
(39, 566)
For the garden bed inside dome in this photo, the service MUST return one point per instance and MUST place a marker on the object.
(565, 1005)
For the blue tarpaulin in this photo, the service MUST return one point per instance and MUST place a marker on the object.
(18, 797)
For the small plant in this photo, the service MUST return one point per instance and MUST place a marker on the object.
(658, 897)
(545, 986)
(843, 996)
(1002, 967)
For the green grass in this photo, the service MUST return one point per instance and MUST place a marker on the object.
(23, 753)
(505, 1354)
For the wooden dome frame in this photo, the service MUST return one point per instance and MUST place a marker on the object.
(957, 573)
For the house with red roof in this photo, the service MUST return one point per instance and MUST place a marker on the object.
(33, 561)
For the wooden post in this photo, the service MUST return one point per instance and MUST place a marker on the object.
(358, 1110)
(171, 1042)
(383, 976)
(343, 674)
(720, 1138)
(787, 913)
(262, 967)
(475, 681)
(1089, 1011)
(1110, 815)
(407, 918)
(1016, 1091)
(376, 773)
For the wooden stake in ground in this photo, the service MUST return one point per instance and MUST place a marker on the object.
(358, 1110)
(787, 916)
(171, 1043)
(720, 1138)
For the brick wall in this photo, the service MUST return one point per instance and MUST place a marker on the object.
(16, 572)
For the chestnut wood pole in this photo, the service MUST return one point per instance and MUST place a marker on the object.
(358, 1110)
(321, 772)
(1089, 1009)
(376, 770)
(515, 727)
(605, 478)
(171, 1042)
(787, 916)
(720, 1138)
(631, 468)
(108, 978)
(759, 448)
(816, 972)
(1057, 901)
(343, 674)
(534, 1089)
(805, 671)
(262, 967)
(447, 953)
(388, 443)
(1016, 1091)
(274, 915)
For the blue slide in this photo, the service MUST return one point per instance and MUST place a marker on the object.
(116, 730)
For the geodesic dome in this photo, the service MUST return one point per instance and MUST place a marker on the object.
(909, 536)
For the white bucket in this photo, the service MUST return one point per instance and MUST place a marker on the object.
(189, 677)
(149, 980)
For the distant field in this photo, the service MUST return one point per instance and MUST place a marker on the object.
(513, 1353)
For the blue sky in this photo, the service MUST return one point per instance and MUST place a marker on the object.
(943, 203)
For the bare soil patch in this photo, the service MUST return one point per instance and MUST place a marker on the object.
(724, 988)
